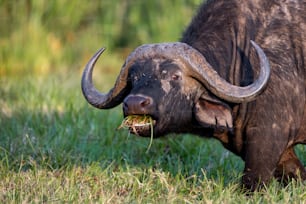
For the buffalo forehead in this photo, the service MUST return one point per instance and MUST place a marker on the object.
(156, 73)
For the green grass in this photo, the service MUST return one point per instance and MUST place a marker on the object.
(55, 148)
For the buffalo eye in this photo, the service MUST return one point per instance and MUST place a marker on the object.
(176, 77)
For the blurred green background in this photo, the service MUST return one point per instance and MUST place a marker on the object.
(48, 131)
(42, 37)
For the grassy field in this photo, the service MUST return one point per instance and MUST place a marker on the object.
(55, 148)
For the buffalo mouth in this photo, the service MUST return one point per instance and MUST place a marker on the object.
(141, 125)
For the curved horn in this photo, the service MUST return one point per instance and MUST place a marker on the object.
(197, 66)
(220, 87)
(188, 56)
(99, 100)
(116, 95)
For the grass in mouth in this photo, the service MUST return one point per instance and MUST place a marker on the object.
(134, 122)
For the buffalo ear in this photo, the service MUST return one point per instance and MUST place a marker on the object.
(213, 114)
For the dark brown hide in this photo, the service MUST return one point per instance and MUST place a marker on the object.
(267, 129)
(167, 83)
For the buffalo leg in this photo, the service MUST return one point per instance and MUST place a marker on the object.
(290, 167)
(261, 154)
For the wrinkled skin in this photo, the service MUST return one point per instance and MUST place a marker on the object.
(166, 80)
(262, 132)
(169, 82)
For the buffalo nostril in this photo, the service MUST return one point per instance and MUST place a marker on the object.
(137, 104)
(145, 102)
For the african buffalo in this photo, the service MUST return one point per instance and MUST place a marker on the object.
(238, 75)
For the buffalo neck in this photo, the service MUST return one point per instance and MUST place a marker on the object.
(224, 39)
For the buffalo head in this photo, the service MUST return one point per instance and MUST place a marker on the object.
(175, 85)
